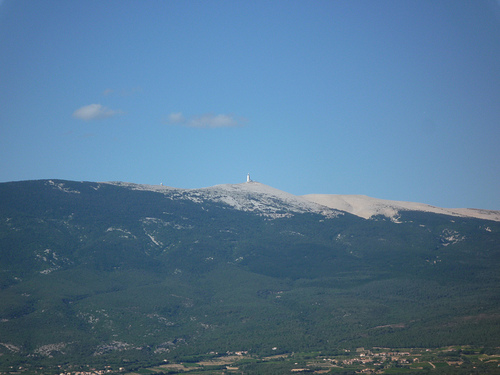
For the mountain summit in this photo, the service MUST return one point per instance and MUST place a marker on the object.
(249, 196)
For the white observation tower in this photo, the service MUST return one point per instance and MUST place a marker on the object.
(248, 177)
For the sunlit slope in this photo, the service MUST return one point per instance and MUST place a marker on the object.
(366, 207)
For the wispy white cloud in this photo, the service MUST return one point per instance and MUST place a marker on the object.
(95, 112)
(207, 120)
(176, 118)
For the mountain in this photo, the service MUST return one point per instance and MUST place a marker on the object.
(125, 274)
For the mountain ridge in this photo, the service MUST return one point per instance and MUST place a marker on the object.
(359, 205)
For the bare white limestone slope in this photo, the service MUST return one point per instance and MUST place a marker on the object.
(264, 199)
(366, 207)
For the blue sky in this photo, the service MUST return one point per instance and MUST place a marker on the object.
(392, 99)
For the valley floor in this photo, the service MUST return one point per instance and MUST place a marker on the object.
(448, 360)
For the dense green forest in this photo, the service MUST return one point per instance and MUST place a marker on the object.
(101, 274)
